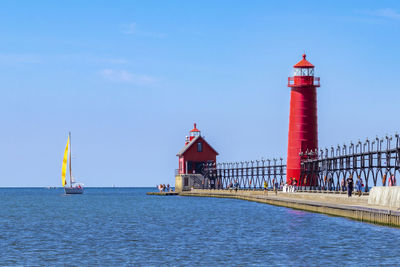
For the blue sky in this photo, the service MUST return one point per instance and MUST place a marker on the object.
(129, 78)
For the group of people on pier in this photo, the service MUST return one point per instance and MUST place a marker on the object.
(328, 184)
(164, 188)
(275, 186)
(291, 186)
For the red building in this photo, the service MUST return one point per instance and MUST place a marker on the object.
(303, 128)
(195, 153)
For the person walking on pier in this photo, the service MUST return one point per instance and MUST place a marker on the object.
(276, 187)
(342, 184)
(330, 183)
(359, 186)
(265, 187)
(212, 184)
(392, 181)
(236, 185)
(350, 184)
(294, 183)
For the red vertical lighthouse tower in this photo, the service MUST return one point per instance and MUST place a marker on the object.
(303, 128)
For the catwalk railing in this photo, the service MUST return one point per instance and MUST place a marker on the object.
(248, 174)
(376, 162)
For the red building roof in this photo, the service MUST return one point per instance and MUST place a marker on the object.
(185, 148)
(303, 63)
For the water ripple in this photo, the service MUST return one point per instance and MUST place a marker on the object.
(124, 227)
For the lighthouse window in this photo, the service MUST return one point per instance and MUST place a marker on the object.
(194, 133)
(303, 72)
(199, 147)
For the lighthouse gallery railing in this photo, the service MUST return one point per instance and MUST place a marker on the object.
(315, 81)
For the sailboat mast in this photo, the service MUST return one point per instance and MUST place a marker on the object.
(70, 169)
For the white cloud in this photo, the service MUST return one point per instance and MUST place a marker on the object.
(21, 58)
(60, 58)
(87, 59)
(132, 29)
(127, 77)
(388, 13)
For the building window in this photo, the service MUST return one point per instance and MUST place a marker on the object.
(199, 147)
(186, 181)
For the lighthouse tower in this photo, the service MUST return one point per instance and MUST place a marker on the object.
(303, 129)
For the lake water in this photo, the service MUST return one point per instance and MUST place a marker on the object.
(123, 226)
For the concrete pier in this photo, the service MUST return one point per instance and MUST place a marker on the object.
(163, 193)
(356, 208)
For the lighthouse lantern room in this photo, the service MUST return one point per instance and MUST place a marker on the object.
(194, 132)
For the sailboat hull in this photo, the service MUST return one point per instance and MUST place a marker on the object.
(73, 190)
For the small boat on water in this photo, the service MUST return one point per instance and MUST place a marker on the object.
(74, 187)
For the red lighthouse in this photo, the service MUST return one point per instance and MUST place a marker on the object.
(303, 128)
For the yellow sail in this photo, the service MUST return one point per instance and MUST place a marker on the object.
(64, 165)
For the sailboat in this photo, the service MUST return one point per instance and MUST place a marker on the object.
(73, 188)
